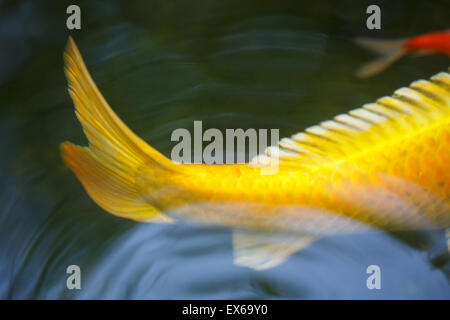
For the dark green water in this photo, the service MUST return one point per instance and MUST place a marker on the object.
(162, 65)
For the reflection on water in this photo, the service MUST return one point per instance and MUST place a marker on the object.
(161, 66)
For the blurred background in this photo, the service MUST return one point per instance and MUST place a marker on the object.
(161, 65)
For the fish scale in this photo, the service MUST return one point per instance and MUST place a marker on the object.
(381, 166)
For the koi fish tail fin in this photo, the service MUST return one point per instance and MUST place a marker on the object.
(111, 188)
(109, 166)
(389, 51)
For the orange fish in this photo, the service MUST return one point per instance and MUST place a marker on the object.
(392, 50)
(381, 166)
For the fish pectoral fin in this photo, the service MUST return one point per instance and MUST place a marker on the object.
(265, 250)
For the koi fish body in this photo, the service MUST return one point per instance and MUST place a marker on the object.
(383, 165)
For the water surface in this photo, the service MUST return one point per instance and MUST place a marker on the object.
(162, 65)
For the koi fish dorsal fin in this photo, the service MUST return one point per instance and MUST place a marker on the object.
(406, 111)
(108, 167)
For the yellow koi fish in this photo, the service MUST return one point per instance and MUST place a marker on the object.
(384, 166)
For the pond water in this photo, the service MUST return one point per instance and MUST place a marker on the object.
(161, 65)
